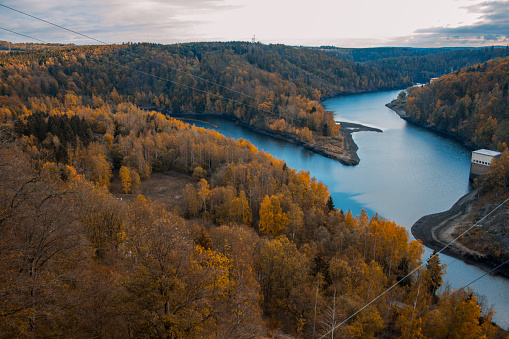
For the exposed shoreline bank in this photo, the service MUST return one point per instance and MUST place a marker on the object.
(349, 148)
(435, 231)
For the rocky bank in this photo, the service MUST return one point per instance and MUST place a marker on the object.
(437, 230)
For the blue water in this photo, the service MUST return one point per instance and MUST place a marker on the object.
(405, 172)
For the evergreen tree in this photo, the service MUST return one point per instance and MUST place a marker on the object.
(434, 273)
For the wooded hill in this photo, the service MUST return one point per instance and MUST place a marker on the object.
(254, 248)
(419, 64)
(272, 88)
(471, 103)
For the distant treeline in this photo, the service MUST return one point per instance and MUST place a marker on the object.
(29, 46)
(419, 64)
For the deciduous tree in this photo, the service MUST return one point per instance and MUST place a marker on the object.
(273, 220)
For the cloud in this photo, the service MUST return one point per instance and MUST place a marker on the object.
(340, 24)
(492, 27)
(164, 21)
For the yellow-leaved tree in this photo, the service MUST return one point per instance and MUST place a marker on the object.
(272, 218)
(125, 177)
(240, 210)
(203, 192)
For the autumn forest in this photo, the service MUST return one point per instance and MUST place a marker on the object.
(252, 248)
(471, 103)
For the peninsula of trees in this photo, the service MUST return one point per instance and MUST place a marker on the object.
(471, 104)
(275, 89)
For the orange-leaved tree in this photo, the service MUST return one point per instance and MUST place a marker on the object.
(272, 218)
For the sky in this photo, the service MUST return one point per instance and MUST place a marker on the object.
(340, 23)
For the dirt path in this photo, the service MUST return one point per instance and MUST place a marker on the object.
(436, 231)
(433, 228)
(443, 232)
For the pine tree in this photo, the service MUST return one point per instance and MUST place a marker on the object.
(434, 273)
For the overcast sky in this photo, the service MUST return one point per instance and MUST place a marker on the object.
(353, 23)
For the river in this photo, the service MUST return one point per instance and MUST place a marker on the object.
(404, 173)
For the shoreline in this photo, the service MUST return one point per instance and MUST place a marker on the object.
(348, 157)
(364, 91)
(435, 232)
(403, 115)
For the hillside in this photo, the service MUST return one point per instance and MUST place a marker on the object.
(492, 207)
(273, 88)
(471, 104)
(418, 64)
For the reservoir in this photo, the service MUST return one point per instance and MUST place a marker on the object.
(405, 173)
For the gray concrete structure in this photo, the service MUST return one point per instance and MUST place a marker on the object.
(481, 160)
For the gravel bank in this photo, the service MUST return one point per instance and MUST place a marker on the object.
(435, 231)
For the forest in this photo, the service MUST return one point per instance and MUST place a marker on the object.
(271, 88)
(471, 103)
(419, 64)
(254, 249)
